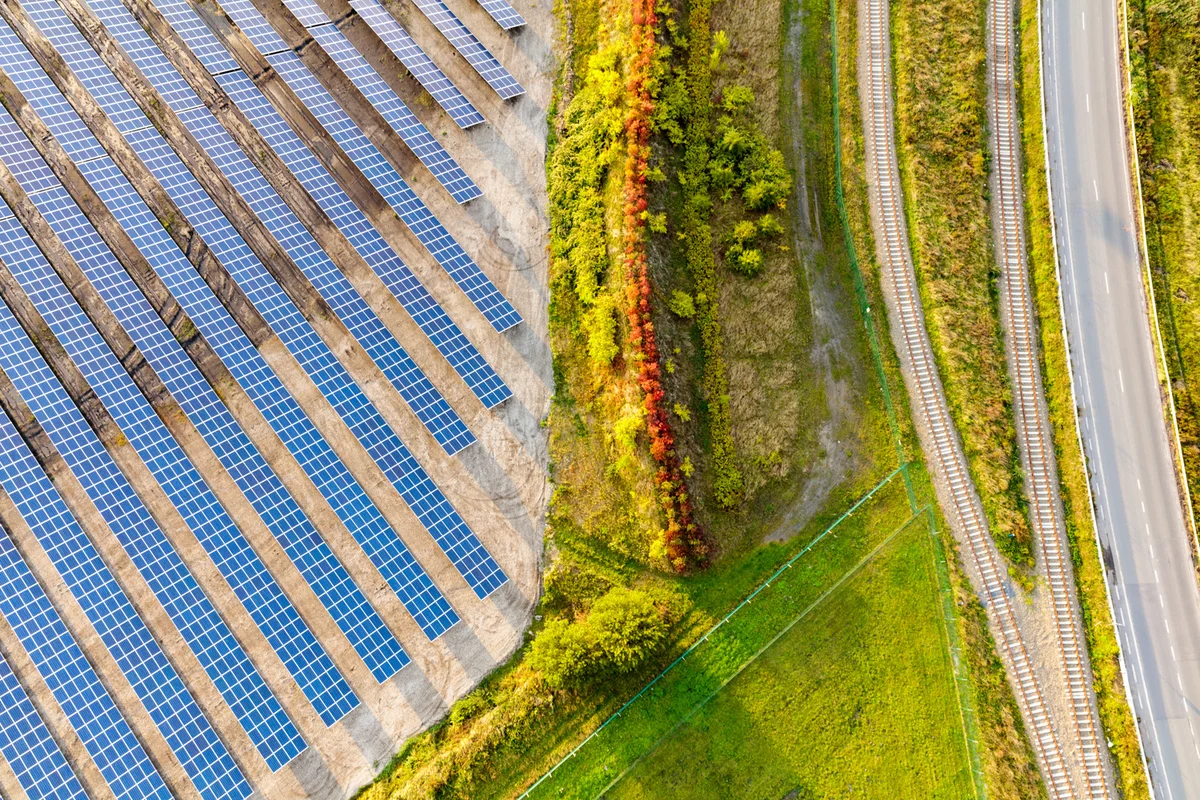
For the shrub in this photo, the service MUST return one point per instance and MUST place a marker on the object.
(744, 232)
(768, 225)
(600, 324)
(626, 627)
(737, 99)
(623, 628)
(682, 305)
(561, 653)
(748, 262)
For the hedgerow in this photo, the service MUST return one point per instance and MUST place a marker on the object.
(683, 541)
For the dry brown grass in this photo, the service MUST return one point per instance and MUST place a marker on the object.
(941, 97)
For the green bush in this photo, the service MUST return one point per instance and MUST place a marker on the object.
(623, 628)
(600, 323)
(682, 305)
(748, 262)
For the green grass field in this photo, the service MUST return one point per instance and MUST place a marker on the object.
(860, 686)
(857, 699)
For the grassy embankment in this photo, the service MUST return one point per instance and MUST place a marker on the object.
(1103, 647)
(838, 706)
(941, 123)
(1164, 43)
(515, 726)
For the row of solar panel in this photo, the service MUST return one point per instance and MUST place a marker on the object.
(413, 483)
(206, 763)
(345, 132)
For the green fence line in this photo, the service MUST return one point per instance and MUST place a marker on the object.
(854, 570)
(860, 289)
(953, 643)
(786, 566)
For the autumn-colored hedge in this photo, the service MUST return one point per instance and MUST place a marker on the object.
(685, 544)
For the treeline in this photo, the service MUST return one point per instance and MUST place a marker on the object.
(1164, 43)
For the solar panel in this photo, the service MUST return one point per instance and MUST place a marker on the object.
(92, 714)
(432, 319)
(308, 12)
(346, 603)
(416, 389)
(105, 734)
(411, 210)
(425, 400)
(245, 572)
(388, 452)
(388, 554)
(470, 48)
(440, 88)
(502, 11)
(303, 544)
(189, 608)
(269, 607)
(255, 26)
(30, 750)
(414, 133)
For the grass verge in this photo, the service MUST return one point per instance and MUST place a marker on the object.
(940, 58)
(723, 652)
(1103, 647)
(838, 705)
(1164, 54)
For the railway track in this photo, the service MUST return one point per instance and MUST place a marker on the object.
(1033, 430)
(929, 402)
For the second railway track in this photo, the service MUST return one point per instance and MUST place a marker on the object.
(1032, 419)
(939, 438)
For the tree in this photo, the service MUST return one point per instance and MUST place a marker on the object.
(624, 627)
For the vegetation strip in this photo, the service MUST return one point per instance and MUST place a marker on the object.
(685, 545)
(1162, 59)
(727, 479)
(854, 570)
(723, 621)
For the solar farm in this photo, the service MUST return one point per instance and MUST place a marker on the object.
(272, 366)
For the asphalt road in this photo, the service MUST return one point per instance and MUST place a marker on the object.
(1140, 517)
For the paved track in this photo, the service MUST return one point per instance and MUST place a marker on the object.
(1139, 516)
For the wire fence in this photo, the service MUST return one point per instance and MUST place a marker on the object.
(715, 657)
(600, 761)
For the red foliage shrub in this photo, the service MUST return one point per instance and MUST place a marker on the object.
(686, 545)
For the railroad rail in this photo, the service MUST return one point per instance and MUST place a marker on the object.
(1032, 417)
(939, 438)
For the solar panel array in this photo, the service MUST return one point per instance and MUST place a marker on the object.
(470, 48)
(502, 11)
(428, 74)
(346, 133)
(166, 567)
(414, 133)
(262, 487)
(27, 745)
(309, 350)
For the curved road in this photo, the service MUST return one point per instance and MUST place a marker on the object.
(1139, 515)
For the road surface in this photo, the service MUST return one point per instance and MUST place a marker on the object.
(1139, 514)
